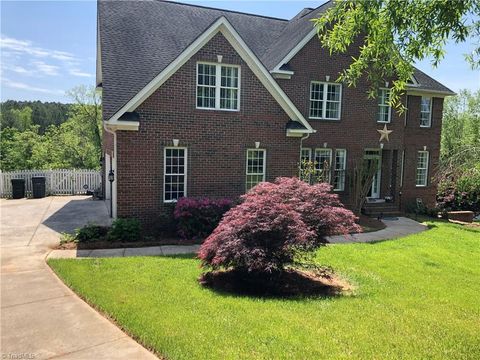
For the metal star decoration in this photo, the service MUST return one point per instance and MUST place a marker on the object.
(384, 133)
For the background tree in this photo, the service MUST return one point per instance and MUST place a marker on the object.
(394, 34)
(71, 143)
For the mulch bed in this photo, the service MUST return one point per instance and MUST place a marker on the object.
(105, 244)
(289, 283)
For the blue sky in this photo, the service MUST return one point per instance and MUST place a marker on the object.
(48, 47)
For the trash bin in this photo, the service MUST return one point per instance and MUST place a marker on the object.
(18, 188)
(38, 187)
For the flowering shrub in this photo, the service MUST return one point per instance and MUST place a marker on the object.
(274, 222)
(197, 217)
(462, 193)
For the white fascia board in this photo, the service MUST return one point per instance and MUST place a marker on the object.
(263, 74)
(425, 92)
(98, 74)
(115, 125)
(295, 50)
(221, 25)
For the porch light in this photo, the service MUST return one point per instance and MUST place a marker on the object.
(111, 176)
(175, 142)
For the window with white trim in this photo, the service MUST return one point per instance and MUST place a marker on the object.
(323, 161)
(422, 168)
(175, 174)
(305, 158)
(218, 86)
(255, 169)
(426, 111)
(325, 100)
(384, 110)
(339, 170)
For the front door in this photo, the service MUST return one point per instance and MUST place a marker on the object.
(374, 156)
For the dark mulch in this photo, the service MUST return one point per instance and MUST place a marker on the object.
(105, 244)
(289, 283)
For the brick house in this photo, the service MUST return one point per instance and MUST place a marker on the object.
(207, 102)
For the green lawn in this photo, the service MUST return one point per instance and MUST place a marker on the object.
(417, 298)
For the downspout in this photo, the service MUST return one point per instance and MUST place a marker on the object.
(113, 160)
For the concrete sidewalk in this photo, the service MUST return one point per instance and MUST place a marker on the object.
(395, 227)
(41, 318)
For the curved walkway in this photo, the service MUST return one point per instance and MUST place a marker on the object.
(41, 318)
(395, 227)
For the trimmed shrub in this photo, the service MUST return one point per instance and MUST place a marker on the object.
(462, 193)
(124, 230)
(197, 217)
(274, 222)
(91, 232)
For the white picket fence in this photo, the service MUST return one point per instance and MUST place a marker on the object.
(58, 182)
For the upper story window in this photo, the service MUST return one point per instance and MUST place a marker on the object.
(325, 100)
(422, 168)
(218, 86)
(426, 112)
(384, 110)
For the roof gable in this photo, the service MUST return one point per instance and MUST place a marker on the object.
(223, 26)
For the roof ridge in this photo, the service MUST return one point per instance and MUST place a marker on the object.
(219, 9)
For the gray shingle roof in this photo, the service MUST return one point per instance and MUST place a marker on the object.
(139, 39)
(427, 83)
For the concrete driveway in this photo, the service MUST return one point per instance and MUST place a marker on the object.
(40, 317)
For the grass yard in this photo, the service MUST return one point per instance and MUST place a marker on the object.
(416, 298)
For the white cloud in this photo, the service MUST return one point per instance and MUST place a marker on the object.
(23, 86)
(76, 72)
(46, 69)
(8, 44)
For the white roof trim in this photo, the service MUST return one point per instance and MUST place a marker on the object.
(295, 50)
(412, 90)
(221, 25)
(114, 125)
(98, 79)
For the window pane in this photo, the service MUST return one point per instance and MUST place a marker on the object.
(255, 168)
(174, 177)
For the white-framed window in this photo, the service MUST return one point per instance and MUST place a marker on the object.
(339, 170)
(426, 111)
(218, 86)
(255, 167)
(305, 157)
(323, 161)
(325, 100)
(175, 173)
(384, 113)
(422, 168)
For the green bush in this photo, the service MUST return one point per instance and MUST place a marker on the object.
(91, 232)
(124, 230)
(461, 192)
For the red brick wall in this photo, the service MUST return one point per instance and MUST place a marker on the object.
(415, 139)
(357, 128)
(216, 140)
